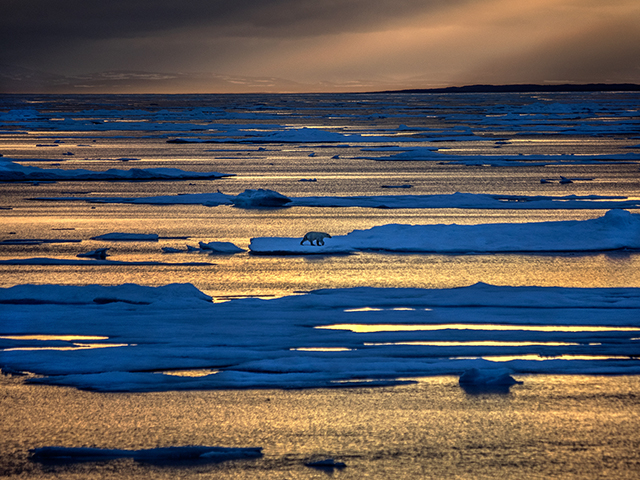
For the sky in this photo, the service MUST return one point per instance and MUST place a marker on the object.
(345, 45)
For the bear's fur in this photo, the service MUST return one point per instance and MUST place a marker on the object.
(317, 236)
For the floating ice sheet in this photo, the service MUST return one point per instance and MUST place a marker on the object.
(14, 172)
(617, 229)
(163, 455)
(256, 198)
(253, 343)
(105, 262)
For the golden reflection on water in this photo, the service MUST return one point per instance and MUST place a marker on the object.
(373, 328)
(321, 349)
(66, 338)
(76, 346)
(533, 356)
(551, 426)
(190, 373)
(487, 343)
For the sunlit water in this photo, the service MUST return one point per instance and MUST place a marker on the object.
(558, 427)
(549, 427)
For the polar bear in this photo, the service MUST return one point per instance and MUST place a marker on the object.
(317, 236)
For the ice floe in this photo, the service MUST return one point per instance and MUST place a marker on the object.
(162, 455)
(327, 464)
(10, 171)
(257, 198)
(127, 237)
(93, 261)
(430, 153)
(278, 343)
(99, 253)
(498, 376)
(617, 229)
(220, 247)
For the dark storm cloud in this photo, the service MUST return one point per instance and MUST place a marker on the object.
(45, 23)
(410, 43)
(71, 34)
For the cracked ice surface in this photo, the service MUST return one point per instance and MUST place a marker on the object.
(253, 343)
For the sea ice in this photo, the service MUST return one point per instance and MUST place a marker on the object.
(268, 198)
(10, 171)
(220, 247)
(99, 253)
(487, 377)
(430, 153)
(260, 198)
(253, 343)
(92, 262)
(617, 229)
(328, 464)
(127, 237)
(153, 455)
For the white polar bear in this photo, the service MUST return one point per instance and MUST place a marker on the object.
(317, 236)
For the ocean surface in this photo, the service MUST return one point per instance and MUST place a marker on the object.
(514, 147)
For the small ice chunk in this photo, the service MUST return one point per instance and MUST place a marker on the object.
(487, 378)
(127, 237)
(220, 247)
(260, 198)
(99, 253)
(164, 455)
(328, 463)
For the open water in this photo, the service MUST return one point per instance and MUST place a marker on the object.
(550, 427)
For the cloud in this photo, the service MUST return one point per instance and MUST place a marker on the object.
(408, 43)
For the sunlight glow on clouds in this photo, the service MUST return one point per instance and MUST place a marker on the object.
(406, 44)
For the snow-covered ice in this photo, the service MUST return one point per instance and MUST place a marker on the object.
(617, 229)
(246, 343)
(430, 153)
(99, 253)
(92, 262)
(253, 343)
(11, 171)
(220, 247)
(494, 377)
(164, 455)
(258, 198)
(127, 237)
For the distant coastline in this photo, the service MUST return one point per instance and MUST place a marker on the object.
(18, 80)
(526, 88)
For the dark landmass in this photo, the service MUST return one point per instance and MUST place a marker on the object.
(527, 88)
(19, 80)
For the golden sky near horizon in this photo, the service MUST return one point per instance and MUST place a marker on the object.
(350, 43)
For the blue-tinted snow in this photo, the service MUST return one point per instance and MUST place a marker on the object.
(164, 455)
(617, 229)
(93, 262)
(14, 172)
(308, 120)
(127, 237)
(258, 198)
(272, 343)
